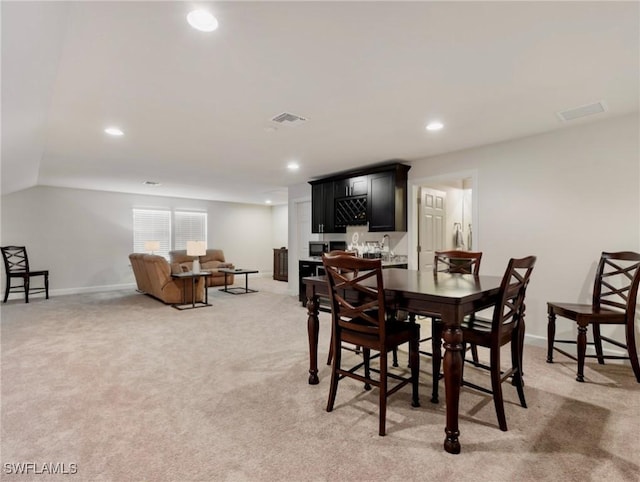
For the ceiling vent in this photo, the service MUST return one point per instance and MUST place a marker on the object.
(287, 118)
(582, 111)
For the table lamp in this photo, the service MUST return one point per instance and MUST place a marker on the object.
(196, 248)
(152, 246)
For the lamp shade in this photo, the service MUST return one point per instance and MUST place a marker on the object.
(152, 246)
(196, 248)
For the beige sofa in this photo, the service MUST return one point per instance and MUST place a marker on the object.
(153, 277)
(211, 261)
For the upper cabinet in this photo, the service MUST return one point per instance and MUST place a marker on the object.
(353, 186)
(322, 208)
(387, 200)
(375, 196)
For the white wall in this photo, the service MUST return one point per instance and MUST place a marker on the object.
(564, 196)
(280, 223)
(85, 237)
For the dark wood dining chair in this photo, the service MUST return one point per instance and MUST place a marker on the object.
(16, 266)
(359, 317)
(615, 292)
(506, 326)
(452, 261)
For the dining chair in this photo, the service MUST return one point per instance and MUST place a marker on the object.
(505, 326)
(452, 261)
(338, 252)
(16, 266)
(615, 292)
(360, 317)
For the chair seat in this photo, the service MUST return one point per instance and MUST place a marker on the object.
(575, 311)
(398, 332)
(22, 274)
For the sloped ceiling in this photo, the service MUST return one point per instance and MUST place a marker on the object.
(196, 107)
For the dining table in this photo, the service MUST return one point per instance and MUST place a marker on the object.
(449, 296)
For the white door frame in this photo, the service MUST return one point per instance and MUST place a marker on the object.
(293, 243)
(413, 193)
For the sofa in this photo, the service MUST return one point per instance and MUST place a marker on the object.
(153, 277)
(211, 261)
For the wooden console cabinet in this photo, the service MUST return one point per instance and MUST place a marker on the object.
(281, 264)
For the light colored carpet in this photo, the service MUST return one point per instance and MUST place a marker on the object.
(132, 390)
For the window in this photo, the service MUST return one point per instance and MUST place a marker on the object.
(171, 229)
(189, 226)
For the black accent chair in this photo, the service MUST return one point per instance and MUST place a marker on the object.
(615, 293)
(16, 266)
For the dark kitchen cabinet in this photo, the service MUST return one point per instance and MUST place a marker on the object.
(387, 200)
(305, 268)
(352, 186)
(376, 196)
(322, 208)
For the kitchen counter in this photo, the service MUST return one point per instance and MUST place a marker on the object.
(312, 266)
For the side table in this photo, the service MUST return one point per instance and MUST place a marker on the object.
(194, 277)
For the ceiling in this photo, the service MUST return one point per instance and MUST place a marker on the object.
(196, 107)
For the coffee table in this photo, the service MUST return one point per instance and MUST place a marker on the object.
(237, 290)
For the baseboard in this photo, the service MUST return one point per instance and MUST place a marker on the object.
(97, 289)
(81, 290)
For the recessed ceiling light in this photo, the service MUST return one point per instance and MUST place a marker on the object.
(268, 201)
(202, 20)
(293, 166)
(435, 126)
(151, 183)
(114, 131)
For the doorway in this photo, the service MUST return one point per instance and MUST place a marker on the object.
(444, 217)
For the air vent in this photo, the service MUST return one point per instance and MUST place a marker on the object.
(288, 118)
(582, 111)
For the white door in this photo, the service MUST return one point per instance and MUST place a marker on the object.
(431, 224)
(303, 214)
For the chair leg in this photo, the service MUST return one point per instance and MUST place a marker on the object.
(582, 350)
(383, 393)
(395, 357)
(330, 356)
(597, 343)
(474, 354)
(333, 388)
(6, 289)
(414, 361)
(496, 387)
(26, 289)
(631, 349)
(366, 355)
(516, 363)
(551, 335)
(46, 285)
(436, 358)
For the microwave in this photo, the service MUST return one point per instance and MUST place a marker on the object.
(316, 248)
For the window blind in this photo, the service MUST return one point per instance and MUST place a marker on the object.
(189, 226)
(152, 225)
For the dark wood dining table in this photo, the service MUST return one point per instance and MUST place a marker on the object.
(450, 296)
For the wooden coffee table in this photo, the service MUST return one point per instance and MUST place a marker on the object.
(237, 290)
